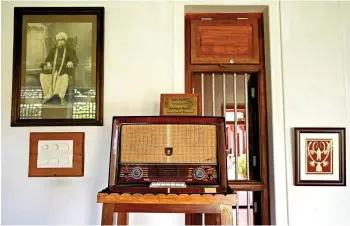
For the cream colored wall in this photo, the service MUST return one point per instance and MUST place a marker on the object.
(316, 76)
(144, 43)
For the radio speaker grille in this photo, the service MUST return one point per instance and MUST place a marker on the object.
(168, 143)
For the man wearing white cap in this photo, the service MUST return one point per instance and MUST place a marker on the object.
(58, 66)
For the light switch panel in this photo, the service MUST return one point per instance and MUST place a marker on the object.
(55, 154)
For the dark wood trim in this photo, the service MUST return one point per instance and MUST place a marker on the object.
(262, 115)
(264, 161)
(265, 207)
(193, 219)
(238, 68)
(191, 69)
(57, 10)
(212, 219)
(188, 219)
(19, 12)
(188, 70)
(246, 185)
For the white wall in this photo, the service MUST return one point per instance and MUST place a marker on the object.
(316, 75)
(144, 43)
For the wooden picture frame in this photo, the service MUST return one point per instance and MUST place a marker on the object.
(320, 156)
(180, 104)
(56, 154)
(58, 66)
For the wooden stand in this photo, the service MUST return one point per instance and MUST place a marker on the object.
(165, 203)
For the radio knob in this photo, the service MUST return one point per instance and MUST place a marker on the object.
(136, 173)
(210, 177)
(199, 173)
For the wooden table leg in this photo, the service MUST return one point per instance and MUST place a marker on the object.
(107, 214)
(123, 219)
(212, 219)
(226, 215)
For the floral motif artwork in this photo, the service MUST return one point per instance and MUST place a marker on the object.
(320, 156)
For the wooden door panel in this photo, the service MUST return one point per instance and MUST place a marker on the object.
(225, 41)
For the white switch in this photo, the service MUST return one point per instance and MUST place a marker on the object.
(55, 154)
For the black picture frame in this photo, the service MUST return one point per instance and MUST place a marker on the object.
(83, 31)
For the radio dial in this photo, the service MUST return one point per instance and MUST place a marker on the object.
(199, 173)
(136, 173)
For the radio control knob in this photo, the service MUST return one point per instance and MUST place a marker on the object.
(199, 173)
(210, 177)
(136, 173)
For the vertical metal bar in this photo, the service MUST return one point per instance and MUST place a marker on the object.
(224, 93)
(236, 126)
(235, 139)
(213, 91)
(202, 85)
(247, 141)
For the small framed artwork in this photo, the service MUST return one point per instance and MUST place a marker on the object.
(56, 154)
(58, 66)
(180, 104)
(320, 156)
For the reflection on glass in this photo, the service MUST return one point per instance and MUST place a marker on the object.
(84, 106)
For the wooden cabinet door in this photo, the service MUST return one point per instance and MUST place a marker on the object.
(225, 41)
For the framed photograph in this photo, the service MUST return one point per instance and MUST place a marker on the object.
(320, 156)
(56, 154)
(58, 66)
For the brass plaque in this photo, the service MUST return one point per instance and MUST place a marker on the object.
(180, 104)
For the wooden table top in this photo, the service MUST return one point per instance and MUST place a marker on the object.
(127, 198)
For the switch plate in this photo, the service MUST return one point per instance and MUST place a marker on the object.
(55, 154)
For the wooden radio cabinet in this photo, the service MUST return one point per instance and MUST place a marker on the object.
(168, 154)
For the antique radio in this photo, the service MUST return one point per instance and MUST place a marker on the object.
(168, 154)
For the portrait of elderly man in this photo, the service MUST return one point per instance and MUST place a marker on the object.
(57, 69)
